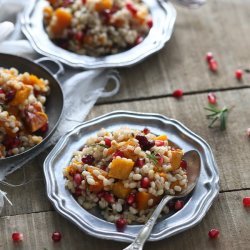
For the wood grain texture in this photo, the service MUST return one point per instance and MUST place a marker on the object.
(220, 26)
(227, 214)
(231, 147)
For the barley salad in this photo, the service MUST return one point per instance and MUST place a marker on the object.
(97, 27)
(125, 173)
(23, 121)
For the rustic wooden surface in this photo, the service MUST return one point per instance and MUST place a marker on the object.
(221, 26)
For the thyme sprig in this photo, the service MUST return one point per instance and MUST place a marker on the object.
(217, 114)
(153, 158)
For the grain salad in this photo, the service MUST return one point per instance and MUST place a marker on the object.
(97, 27)
(125, 173)
(23, 121)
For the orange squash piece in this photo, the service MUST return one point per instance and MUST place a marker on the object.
(34, 80)
(35, 121)
(97, 187)
(63, 20)
(20, 96)
(161, 138)
(104, 5)
(120, 168)
(142, 199)
(120, 191)
(176, 159)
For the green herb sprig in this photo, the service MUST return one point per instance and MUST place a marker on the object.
(153, 158)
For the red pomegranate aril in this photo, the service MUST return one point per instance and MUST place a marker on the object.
(150, 23)
(107, 142)
(2, 91)
(213, 233)
(146, 131)
(131, 199)
(11, 142)
(44, 128)
(108, 197)
(160, 159)
(145, 182)
(178, 93)
(56, 236)
(159, 143)
(101, 194)
(183, 164)
(212, 98)
(140, 162)
(118, 153)
(213, 65)
(131, 8)
(78, 192)
(209, 56)
(178, 205)
(84, 1)
(121, 224)
(9, 96)
(78, 179)
(239, 74)
(17, 236)
(79, 36)
(246, 201)
(88, 159)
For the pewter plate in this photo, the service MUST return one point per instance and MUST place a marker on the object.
(163, 14)
(92, 223)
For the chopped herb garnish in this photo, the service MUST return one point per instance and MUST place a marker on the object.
(153, 158)
(103, 145)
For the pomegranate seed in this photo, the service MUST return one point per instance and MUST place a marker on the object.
(78, 192)
(17, 237)
(84, 1)
(146, 131)
(131, 199)
(78, 179)
(239, 74)
(79, 36)
(120, 224)
(2, 91)
(209, 56)
(103, 168)
(213, 233)
(118, 153)
(159, 143)
(107, 142)
(11, 142)
(145, 182)
(183, 164)
(246, 201)
(213, 65)
(56, 236)
(178, 93)
(44, 128)
(144, 143)
(108, 197)
(212, 98)
(179, 205)
(101, 194)
(10, 95)
(88, 159)
(138, 40)
(131, 8)
(150, 23)
(140, 162)
(160, 159)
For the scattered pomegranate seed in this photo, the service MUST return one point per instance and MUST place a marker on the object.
(131, 8)
(121, 224)
(140, 162)
(118, 153)
(138, 40)
(213, 65)
(88, 159)
(209, 56)
(11, 142)
(101, 194)
(78, 192)
(79, 36)
(183, 164)
(131, 199)
(10, 95)
(160, 159)
(108, 197)
(213, 233)
(159, 143)
(17, 237)
(179, 205)
(246, 201)
(78, 179)
(107, 142)
(84, 1)
(212, 98)
(56, 236)
(145, 182)
(146, 131)
(239, 74)
(248, 132)
(144, 143)
(150, 23)
(44, 128)
(178, 93)
(2, 91)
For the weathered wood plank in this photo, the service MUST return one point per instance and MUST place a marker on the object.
(227, 214)
(221, 26)
(231, 147)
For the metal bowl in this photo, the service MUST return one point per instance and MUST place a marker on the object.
(163, 14)
(54, 103)
(92, 223)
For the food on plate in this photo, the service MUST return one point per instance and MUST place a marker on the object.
(125, 173)
(23, 121)
(97, 27)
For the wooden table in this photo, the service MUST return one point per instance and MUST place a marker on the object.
(222, 26)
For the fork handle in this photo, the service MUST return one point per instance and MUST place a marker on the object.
(145, 232)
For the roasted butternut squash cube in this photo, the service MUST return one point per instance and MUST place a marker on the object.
(97, 187)
(20, 96)
(142, 199)
(176, 159)
(120, 191)
(120, 168)
(36, 120)
(161, 138)
(104, 5)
